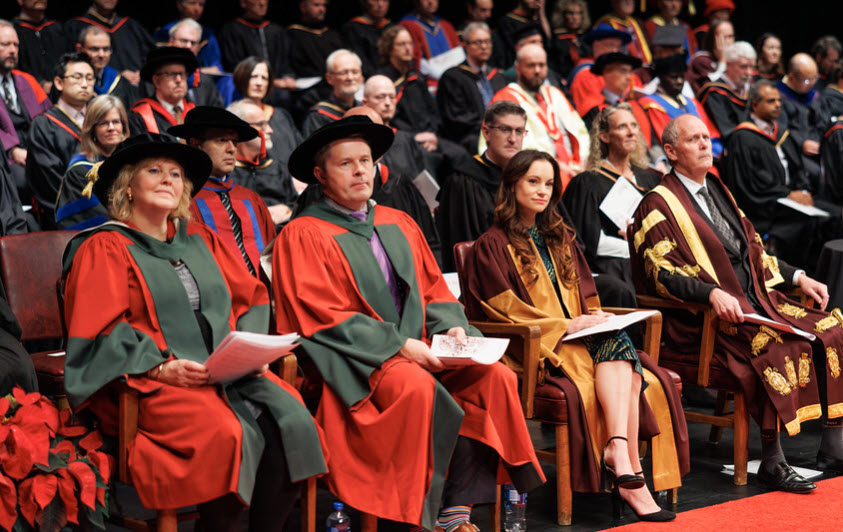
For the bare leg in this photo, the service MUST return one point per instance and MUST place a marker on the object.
(613, 380)
(632, 422)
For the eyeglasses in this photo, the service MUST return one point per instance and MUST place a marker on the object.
(77, 78)
(507, 131)
(105, 124)
(805, 81)
(172, 75)
(480, 42)
(259, 125)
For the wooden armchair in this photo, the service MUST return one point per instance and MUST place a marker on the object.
(547, 403)
(706, 371)
(167, 520)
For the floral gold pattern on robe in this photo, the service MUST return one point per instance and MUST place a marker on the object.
(805, 369)
(791, 372)
(792, 310)
(765, 334)
(835, 317)
(833, 361)
(777, 381)
(728, 328)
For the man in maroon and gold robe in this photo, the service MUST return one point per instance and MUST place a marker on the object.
(690, 242)
(360, 285)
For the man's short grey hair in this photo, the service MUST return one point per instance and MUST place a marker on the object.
(670, 135)
(188, 23)
(91, 31)
(739, 50)
(240, 108)
(336, 54)
(472, 27)
(755, 90)
(6, 24)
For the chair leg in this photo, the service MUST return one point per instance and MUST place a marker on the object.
(719, 409)
(308, 506)
(168, 521)
(673, 495)
(564, 495)
(495, 511)
(368, 522)
(741, 429)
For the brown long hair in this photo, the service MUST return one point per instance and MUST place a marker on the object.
(557, 235)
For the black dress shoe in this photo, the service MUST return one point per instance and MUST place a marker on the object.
(784, 478)
(826, 462)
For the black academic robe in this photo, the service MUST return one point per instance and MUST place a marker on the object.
(149, 116)
(406, 157)
(508, 26)
(241, 38)
(285, 136)
(117, 86)
(310, 46)
(322, 113)
(565, 52)
(16, 367)
(12, 219)
(724, 106)
(466, 205)
(53, 140)
(831, 154)
(267, 180)
(827, 108)
(460, 103)
(583, 197)
(130, 41)
(752, 170)
(41, 44)
(415, 108)
(362, 37)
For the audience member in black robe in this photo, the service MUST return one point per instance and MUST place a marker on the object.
(524, 36)
(832, 164)
(130, 42)
(570, 21)
(826, 51)
(798, 92)
(54, 135)
(96, 42)
(22, 99)
(311, 40)
(415, 109)
(253, 79)
(467, 197)
(617, 152)
(201, 90)
(252, 34)
(466, 90)
(257, 171)
(42, 40)
(829, 105)
(13, 221)
(362, 33)
(476, 11)
(762, 164)
(345, 76)
(208, 53)
(167, 70)
(528, 12)
(16, 367)
(724, 99)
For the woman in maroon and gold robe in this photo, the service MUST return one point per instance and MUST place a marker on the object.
(533, 272)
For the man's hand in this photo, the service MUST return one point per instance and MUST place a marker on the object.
(18, 155)
(279, 213)
(584, 321)
(811, 287)
(286, 83)
(419, 352)
(133, 76)
(726, 306)
(184, 373)
(458, 333)
(801, 196)
(811, 147)
(428, 140)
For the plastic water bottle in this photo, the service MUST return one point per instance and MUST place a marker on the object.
(515, 506)
(338, 521)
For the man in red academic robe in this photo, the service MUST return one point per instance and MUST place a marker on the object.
(396, 420)
(690, 242)
(167, 68)
(238, 215)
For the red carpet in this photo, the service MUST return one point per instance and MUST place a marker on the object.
(820, 510)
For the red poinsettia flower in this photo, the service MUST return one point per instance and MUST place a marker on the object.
(16, 453)
(68, 427)
(67, 487)
(8, 498)
(65, 447)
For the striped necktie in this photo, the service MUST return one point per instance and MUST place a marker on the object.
(8, 92)
(236, 228)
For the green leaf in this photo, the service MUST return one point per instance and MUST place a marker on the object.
(95, 517)
(22, 526)
(53, 517)
(56, 461)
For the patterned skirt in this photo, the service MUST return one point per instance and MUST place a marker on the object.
(614, 346)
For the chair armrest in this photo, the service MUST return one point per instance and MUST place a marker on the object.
(127, 429)
(527, 338)
(709, 328)
(652, 330)
(289, 368)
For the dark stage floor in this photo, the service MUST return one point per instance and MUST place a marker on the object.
(704, 486)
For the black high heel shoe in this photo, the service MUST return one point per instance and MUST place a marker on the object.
(609, 480)
(619, 502)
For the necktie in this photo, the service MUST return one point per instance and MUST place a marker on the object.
(541, 102)
(8, 91)
(236, 228)
(720, 224)
(384, 264)
(486, 90)
(177, 114)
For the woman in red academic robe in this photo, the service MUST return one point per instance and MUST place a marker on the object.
(534, 273)
(147, 297)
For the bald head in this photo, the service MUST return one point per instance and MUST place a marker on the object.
(531, 67)
(802, 73)
(379, 95)
(362, 110)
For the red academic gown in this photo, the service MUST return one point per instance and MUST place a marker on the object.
(191, 447)
(587, 87)
(380, 412)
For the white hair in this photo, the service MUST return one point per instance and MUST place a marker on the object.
(525, 50)
(471, 27)
(188, 23)
(739, 50)
(240, 108)
(336, 54)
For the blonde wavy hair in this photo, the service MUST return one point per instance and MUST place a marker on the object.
(119, 206)
(599, 150)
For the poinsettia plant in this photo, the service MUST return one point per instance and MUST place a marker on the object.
(52, 472)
